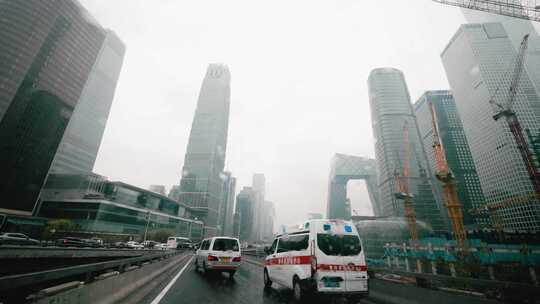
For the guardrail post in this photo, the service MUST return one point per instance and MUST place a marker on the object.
(453, 270)
(396, 261)
(433, 267)
(534, 278)
(407, 266)
(491, 272)
(418, 266)
(388, 261)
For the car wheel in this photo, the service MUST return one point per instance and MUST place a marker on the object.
(204, 270)
(300, 294)
(231, 274)
(267, 281)
(196, 265)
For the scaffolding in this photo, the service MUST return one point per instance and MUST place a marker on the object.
(523, 9)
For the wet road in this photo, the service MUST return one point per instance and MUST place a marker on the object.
(245, 287)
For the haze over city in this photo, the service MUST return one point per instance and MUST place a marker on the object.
(298, 89)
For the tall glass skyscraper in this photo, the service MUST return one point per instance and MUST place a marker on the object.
(479, 62)
(78, 150)
(516, 30)
(201, 182)
(47, 51)
(456, 148)
(391, 109)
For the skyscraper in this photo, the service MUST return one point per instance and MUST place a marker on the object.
(47, 51)
(226, 212)
(479, 61)
(456, 148)
(259, 188)
(78, 149)
(158, 189)
(245, 214)
(391, 111)
(201, 181)
(267, 225)
(516, 30)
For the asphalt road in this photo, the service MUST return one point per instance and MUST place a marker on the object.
(246, 287)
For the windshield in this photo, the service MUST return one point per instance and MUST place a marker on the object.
(225, 245)
(339, 245)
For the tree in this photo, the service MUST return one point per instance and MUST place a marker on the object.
(53, 226)
(159, 235)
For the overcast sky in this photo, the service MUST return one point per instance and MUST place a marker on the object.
(298, 93)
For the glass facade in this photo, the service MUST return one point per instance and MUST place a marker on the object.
(245, 214)
(343, 169)
(78, 149)
(201, 182)
(99, 205)
(456, 148)
(227, 206)
(391, 109)
(47, 50)
(477, 62)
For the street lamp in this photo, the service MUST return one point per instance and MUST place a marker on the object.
(147, 222)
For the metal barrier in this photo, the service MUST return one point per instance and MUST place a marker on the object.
(88, 270)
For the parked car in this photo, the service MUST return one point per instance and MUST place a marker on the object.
(218, 254)
(318, 257)
(149, 244)
(119, 245)
(71, 242)
(161, 246)
(16, 239)
(94, 242)
(134, 245)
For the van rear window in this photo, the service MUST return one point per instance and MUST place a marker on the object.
(339, 245)
(225, 245)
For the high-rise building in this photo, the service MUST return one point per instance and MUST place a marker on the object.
(267, 225)
(391, 111)
(174, 193)
(201, 182)
(226, 212)
(245, 214)
(479, 61)
(78, 149)
(456, 149)
(158, 189)
(47, 51)
(516, 30)
(259, 187)
(315, 216)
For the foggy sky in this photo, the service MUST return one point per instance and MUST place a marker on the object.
(298, 92)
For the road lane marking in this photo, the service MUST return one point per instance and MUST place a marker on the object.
(166, 289)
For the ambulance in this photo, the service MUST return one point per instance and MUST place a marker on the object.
(318, 257)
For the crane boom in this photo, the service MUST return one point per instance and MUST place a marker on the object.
(446, 177)
(527, 9)
(403, 187)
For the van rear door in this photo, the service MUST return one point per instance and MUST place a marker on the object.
(355, 265)
(330, 268)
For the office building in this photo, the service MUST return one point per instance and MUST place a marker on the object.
(101, 207)
(267, 224)
(201, 183)
(315, 216)
(391, 113)
(228, 193)
(78, 149)
(160, 189)
(259, 187)
(456, 149)
(479, 63)
(245, 214)
(516, 30)
(47, 52)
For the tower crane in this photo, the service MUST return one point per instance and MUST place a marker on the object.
(526, 9)
(505, 110)
(403, 187)
(446, 177)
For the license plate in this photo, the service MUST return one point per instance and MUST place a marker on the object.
(331, 284)
(226, 260)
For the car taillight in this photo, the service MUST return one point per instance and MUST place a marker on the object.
(212, 258)
(313, 265)
(65, 241)
(237, 259)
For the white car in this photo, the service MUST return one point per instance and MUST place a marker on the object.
(319, 256)
(162, 246)
(218, 254)
(134, 245)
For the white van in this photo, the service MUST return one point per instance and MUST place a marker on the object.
(218, 254)
(320, 256)
(177, 242)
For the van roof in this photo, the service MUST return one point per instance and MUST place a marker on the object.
(307, 225)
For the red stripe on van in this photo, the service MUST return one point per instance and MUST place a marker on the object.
(297, 260)
(333, 267)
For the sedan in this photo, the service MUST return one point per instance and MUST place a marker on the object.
(16, 239)
(71, 242)
(134, 245)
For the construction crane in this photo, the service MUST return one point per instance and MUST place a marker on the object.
(505, 110)
(493, 208)
(446, 177)
(403, 187)
(523, 9)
